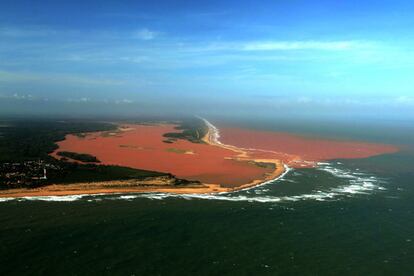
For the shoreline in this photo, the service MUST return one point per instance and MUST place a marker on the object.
(212, 138)
(125, 186)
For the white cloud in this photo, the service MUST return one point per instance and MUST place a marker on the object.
(22, 97)
(300, 45)
(80, 100)
(105, 101)
(404, 100)
(18, 77)
(281, 46)
(304, 100)
(124, 101)
(145, 34)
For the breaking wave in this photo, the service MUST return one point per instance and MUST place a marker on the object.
(66, 198)
(355, 183)
(358, 182)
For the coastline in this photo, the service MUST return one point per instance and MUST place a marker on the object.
(104, 188)
(145, 186)
(212, 138)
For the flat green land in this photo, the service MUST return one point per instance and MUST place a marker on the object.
(25, 140)
(180, 151)
(192, 130)
(77, 173)
(34, 140)
(83, 157)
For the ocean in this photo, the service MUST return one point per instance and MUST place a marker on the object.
(345, 217)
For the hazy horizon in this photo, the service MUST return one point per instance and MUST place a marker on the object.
(286, 58)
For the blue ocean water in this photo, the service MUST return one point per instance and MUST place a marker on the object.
(343, 217)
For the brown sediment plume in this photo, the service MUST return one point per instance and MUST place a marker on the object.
(298, 151)
(212, 138)
(142, 147)
(240, 159)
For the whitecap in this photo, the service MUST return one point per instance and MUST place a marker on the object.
(53, 198)
(4, 199)
(358, 183)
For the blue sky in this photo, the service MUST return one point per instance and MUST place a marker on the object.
(350, 55)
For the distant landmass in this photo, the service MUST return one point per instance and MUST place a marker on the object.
(186, 156)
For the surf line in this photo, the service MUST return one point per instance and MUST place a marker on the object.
(281, 169)
(286, 171)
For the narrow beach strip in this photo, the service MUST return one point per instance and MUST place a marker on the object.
(124, 186)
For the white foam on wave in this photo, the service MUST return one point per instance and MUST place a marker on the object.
(66, 198)
(280, 177)
(320, 196)
(4, 199)
(215, 133)
(358, 183)
(128, 197)
(161, 196)
(53, 198)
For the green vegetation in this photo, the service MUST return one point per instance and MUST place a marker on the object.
(135, 147)
(35, 139)
(192, 130)
(76, 173)
(83, 157)
(180, 151)
(264, 165)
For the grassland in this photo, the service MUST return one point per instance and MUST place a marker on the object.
(34, 140)
(83, 157)
(24, 140)
(192, 130)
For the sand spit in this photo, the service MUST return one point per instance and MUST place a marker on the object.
(212, 138)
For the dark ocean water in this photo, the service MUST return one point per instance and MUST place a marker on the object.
(347, 217)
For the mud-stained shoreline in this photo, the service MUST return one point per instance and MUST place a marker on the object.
(212, 138)
(256, 156)
(155, 184)
(144, 147)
